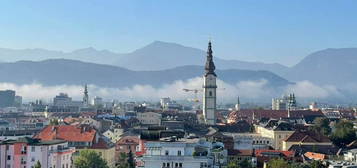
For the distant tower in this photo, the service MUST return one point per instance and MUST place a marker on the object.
(238, 105)
(209, 89)
(291, 103)
(85, 96)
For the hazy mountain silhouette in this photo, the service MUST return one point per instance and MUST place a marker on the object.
(63, 71)
(155, 56)
(330, 66)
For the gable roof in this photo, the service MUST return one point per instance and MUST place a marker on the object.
(70, 133)
(323, 149)
(307, 136)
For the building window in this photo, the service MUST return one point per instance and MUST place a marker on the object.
(180, 164)
(179, 153)
(167, 164)
(33, 149)
(176, 164)
(210, 93)
(166, 152)
(8, 157)
(163, 165)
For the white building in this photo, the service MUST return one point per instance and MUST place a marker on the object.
(182, 153)
(249, 141)
(209, 89)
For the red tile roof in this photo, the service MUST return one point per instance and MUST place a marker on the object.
(68, 132)
(307, 136)
(102, 144)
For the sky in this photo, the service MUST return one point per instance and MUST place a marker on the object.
(281, 31)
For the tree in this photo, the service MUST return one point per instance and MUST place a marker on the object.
(317, 164)
(90, 159)
(131, 160)
(245, 164)
(344, 133)
(54, 121)
(277, 163)
(232, 165)
(37, 165)
(322, 125)
(126, 160)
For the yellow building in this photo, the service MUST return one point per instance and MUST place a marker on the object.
(304, 137)
(105, 150)
(276, 130)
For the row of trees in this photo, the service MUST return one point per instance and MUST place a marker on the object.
(278, 163)
(91, 159)
(281, 163)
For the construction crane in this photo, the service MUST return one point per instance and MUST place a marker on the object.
(195, 91)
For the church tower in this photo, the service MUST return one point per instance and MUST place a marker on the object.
(209, 89)
(85, 96)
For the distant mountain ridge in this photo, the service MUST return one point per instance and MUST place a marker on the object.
(72, 72)
(329, 67)
(169, 55)
(326, 67)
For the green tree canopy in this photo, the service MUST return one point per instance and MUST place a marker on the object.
(37, 165)
(277, 163)
(322, 125)
(90, 159)
(344, 133)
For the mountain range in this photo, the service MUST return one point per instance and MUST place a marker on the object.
(72, 72)
(170, 55)
(161, 63)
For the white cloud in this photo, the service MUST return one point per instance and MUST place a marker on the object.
(306, 89)
(252, 90)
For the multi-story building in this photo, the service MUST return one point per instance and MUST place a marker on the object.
(249, 141)
(276, 130)
(149, 118)
(25, 152)
(305, 137)
(182, 153)
(7, 98)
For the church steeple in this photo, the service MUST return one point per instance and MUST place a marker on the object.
(85, 96)
(209, 61)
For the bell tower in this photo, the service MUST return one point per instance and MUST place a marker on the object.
(209, 89)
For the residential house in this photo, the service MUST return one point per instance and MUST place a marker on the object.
(25, 152)
(305, 137)
(77, 136)
(276, 130)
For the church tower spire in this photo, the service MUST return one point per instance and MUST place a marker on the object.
(209, 89)
(209, 68)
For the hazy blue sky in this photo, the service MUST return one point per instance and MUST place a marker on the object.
(282, 31)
